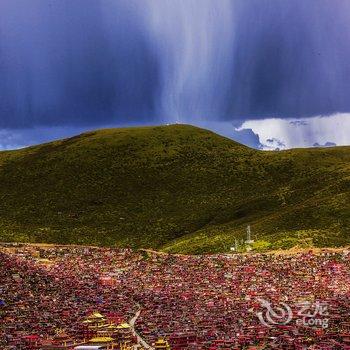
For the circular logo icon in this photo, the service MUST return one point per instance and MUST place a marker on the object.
(272, 316)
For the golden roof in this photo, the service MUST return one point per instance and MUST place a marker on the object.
(101, 340)
(112, 326)
(96, 316)
(123, 326)
(161, 344)
(98, 326)
(160, 341)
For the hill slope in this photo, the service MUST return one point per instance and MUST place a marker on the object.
(177, 188)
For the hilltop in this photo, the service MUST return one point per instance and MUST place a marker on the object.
(177, 188)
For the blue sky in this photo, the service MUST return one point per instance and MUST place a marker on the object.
(270, 74)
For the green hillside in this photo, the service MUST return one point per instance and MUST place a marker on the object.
(177, 188)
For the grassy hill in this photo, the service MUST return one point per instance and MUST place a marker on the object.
(177, 188)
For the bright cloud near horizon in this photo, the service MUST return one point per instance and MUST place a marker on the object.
(247, 69)
(319, 131)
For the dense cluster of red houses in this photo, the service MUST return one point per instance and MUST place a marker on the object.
(212, 302)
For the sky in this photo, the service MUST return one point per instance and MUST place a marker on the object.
(267, 73)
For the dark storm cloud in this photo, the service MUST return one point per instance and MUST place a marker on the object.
(91, 63)
(73, 62)
(291, 58)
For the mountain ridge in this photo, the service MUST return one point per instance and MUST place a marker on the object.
(176, 188)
